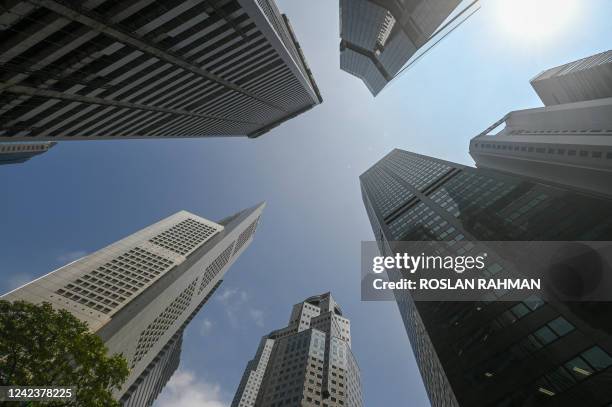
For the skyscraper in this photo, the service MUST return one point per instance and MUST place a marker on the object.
(103, 69)
(500, 353)
(14, 153)
(379, 36)
(139, 293)
(568, 142)
(154, 378)
(307, 363)
(156, 375)
(585, 79)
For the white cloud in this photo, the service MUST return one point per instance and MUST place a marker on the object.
(236, 305)
(226, 294)
(185, 390)
(233, 294)
(206, 327)
(69, 257)
(257, 316)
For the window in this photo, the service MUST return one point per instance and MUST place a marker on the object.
(245, 235)
(520, 310)
(560, 380)
(156, 329)
(545, 335)
(184, 237)
(561, 326)
(579, 368)
(534, 302)
(213, 269)
(597, 358)
(116, 280)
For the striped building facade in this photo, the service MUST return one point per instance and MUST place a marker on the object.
(14, 153)
(107, 69)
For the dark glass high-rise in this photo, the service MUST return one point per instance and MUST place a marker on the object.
(499, 353)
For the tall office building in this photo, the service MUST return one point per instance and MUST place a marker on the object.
(307, 363)
(568, 142)
(151, 382)
(139, 293)
(103, 69)
(379, 36)
(585, 79)
(14, 153)
(494, 353)
(153, 379)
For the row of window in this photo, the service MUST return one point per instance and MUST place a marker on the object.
(184, 237)
(109, 285)
(22, 147)
(160, 325)
(387, 193)
(217, 265)
(530, 344)
(416, 171)
(245, 235)
(587, 363)
(505, 319)
(542, 150)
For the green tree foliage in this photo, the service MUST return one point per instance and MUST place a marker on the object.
(40, 346)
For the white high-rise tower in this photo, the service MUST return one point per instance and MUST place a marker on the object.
(569, 141)
(139, 293)
(307, 363)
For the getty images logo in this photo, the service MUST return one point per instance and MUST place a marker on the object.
(404, 261)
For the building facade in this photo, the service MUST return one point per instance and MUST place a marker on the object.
(494, 353)
(379, 36)
(103, 69)
(139, 293)
(307, 363)
(568, 142)
(145, 389)
(14, 153)
(151, 382)
(585, 79)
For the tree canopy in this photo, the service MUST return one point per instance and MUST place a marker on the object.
(40, 346)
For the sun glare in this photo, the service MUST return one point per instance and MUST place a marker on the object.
(536, 20)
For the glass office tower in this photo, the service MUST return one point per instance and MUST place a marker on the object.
(494, 354)
(380, 36)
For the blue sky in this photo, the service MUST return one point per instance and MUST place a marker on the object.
(81, 196)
